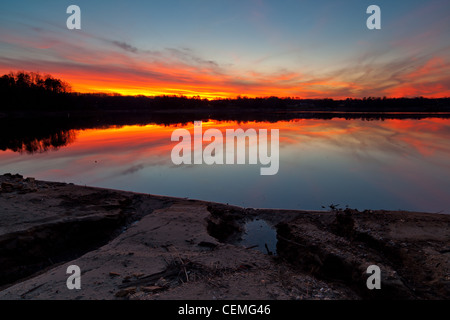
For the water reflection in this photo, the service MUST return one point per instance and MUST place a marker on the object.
(38, 144)
(389, 164)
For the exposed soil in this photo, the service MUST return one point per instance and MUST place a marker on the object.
(138, 246)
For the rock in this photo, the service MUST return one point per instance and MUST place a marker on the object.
(114, 274)
(162, 282)
(207, 244)
(152, 289)
(17, 183)
(16, 177)
(7, 187)
(138, 275)
(125, 292)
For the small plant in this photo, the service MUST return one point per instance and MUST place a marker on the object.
(335, 207)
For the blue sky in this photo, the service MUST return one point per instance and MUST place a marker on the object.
(225, 48)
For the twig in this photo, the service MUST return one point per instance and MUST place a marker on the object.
(31, 290)
(182, 263)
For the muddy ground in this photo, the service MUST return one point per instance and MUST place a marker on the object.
(139, 246)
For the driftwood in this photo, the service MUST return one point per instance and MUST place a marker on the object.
(171, 271)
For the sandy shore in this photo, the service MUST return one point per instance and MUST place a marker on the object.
(138, 246)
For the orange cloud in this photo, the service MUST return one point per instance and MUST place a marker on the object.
(103, 65)
(429, 80)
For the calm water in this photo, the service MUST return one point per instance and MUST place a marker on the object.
(390, 164)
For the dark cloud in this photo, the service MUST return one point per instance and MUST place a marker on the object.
(125, 46)
(133, 169)
(187, 55)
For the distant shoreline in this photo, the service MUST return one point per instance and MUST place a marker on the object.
(33, 92)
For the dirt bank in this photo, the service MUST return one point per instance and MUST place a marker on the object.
(138, 246)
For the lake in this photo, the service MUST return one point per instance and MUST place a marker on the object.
(381, 164)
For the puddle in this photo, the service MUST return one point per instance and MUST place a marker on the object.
(258, 233)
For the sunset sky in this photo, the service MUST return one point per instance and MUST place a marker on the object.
(225, 48)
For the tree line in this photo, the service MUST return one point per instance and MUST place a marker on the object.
(22, 91)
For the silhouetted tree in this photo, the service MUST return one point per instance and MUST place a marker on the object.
(33, 91)
(22, 90)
